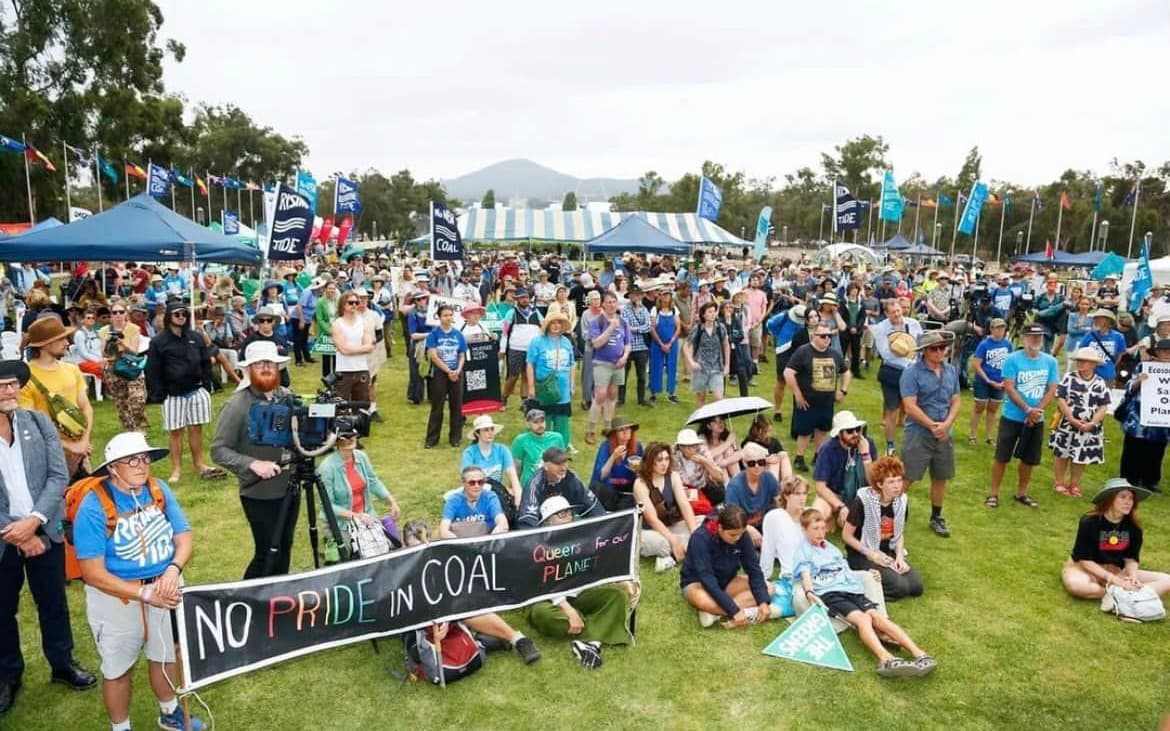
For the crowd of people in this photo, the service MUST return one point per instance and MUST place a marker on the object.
(722, 510)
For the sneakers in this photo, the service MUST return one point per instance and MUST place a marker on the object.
(173, 721)
(527, 650)
(664, 563)
(896, 667)
(924, 664)
(799, 464)
(706, 619)
(647, 404)
(891, 450)
(778, 417)
(1107, 603)
(587, 653)
(939, 526)
(673, 399)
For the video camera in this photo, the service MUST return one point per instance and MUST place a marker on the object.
(290, 423)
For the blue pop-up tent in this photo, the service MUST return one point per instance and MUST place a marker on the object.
(1063, 258)
(637, 234)
(141, 229)
(897, 242)
(49, 222)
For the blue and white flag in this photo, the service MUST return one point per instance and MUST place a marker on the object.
(710, 199)
(158, 181)
(1143, 280)
(891, 209)
(974, 205)
(763, 225)
(345, 197)
(846, 211)
(446, 242)
(181, 179)
(307, 186)
(231, 222)
(292, 224)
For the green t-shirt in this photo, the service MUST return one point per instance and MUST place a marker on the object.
(528, 448)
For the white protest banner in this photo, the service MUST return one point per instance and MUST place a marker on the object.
(433, 309)
(1155, 394)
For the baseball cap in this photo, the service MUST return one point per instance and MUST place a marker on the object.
(534, 415)
(555, 455)
(998, 322)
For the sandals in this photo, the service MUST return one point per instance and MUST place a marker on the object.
(924, 664)
(1026, 500)
(989, 441)
(590, 438)
(212, 473)
(1060, 489)
(1074, 490)
(971, 439)
(991, 501)
(896, 667)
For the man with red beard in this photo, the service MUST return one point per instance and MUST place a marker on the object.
(262, 481)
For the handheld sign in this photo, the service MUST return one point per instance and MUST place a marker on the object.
(811, 639)
(1155, 394)
(436, 300)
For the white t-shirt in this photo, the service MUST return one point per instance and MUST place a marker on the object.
(782, 536)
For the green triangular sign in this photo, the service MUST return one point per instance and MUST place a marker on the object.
(811, 639)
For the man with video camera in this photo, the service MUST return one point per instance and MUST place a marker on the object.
(263, 483)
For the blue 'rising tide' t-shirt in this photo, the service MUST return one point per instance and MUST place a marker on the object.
(1110, 346)
(485, 510)
(143, 543)
(1032, 377)
(993, 353)
(449, 345)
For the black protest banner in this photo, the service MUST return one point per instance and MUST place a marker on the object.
(446, 242)
(292, 224)
(233, 628)
(481, 378)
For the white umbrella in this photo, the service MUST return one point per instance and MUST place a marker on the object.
(729, 407)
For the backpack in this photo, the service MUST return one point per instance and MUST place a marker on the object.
(507, 503)
(73, 497)
(1143, 605)
(461, 655)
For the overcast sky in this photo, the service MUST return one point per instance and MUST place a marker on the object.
(617, 88)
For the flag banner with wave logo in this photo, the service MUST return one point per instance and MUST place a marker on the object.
(971, 212)
(345, 197)
(307, 187)
(292, 223)
(231, 222)
(446, 242)
(158, 181)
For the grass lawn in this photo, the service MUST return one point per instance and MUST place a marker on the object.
(1013, 650)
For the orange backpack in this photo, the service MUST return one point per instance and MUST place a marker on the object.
(73, 497)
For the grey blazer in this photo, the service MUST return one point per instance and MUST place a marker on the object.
(44, 470)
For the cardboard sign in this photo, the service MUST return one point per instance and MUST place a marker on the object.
(233, 628)
(811, 639)
(1155, 394)
(433, 303)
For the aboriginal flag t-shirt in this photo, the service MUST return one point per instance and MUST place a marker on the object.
(1106, 542)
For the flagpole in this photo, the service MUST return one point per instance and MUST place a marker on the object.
(1002, 215)
(432, 225)
(869, 224)
(1132, 221)
(917, 209)
(126, 175)
(1093, 229)
(882, 209)
(934, 229)
(207, 187)
(97, 177)
(28, 183)
(975, 241)
(193, 175)
(251, 210)
(832, 211)
(68, 206)
(1031, 215)
(1059, 219)
(955, 229)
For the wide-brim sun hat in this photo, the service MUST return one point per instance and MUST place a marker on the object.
(484, 421)
(1104, 313)
(261, 351)
(845, 420)
(798, 314)
(1117, 484)
(618, 423)
(552, 506)
(688, 438)
(901, 344)
(1090, 354)
(555, 317)
(45, 330)
(127, 444)
(934, 337)
(269, 311)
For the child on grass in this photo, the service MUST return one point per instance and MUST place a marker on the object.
(825, 577)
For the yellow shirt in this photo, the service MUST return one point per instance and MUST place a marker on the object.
(65, 379)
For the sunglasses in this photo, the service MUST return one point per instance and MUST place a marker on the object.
(117, 312)
(854, 430)
(351, 302)
(180, 313)
(937, 347)
(474, 483)
(263, 320)
(822, 335)
(755, 462)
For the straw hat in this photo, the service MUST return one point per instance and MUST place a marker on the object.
(483, 421)
(555, 317)
(1088, 353)
(901, 344)
(1104, 313)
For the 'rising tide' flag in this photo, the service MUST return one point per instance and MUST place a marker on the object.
(345, 197)
(307, 186)
(974, 206)
(891, 209)
(158, 181)
(763, 224)
(710, 199)
(845, 209)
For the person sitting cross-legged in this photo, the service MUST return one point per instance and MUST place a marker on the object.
(874, 531)
(591, 618)
(710, 578)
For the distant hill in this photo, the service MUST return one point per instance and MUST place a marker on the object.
(521, 178)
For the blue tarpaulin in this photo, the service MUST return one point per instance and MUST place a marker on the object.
(637, 234)
(141, 229)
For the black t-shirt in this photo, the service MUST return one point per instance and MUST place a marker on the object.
(773, 445)
(857, 520)
(816, 374)
(1107, 543)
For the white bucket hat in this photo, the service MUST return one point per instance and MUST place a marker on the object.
(484, 421)
(257, 352)
(552, 506)
(845, 420)
(688, 438)
(127, 444)
(1088, 353)
(270, 311)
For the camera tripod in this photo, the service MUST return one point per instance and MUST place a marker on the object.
(303, 479)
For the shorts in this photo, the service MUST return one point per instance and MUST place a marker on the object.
(1019, 440)
(517, 362)
(841, 603)
(707, 382)
(192, 409)
(782, 363)
(867, 338)
(756, 335)
(984, 392)
(921, 452)
(354, 385)
(607, 374)
(890, 379)
(812, 419)
(120, 637)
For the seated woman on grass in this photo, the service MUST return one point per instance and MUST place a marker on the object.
(1108, 546)
(667, 518)
(874, 532)
(825, 578)
(710, 578)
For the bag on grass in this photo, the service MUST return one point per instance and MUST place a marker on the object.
(1143, 605)
(461, 655)
(368, 541)
(782, 599)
